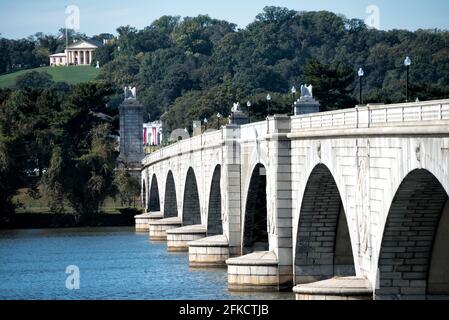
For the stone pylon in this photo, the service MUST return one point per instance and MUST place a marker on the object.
(131, 135)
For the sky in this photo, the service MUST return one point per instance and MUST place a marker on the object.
(21, 18)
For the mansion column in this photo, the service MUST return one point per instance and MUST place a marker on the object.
(90, 56)
(84, 57)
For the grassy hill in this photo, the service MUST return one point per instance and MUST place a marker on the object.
(71, 75)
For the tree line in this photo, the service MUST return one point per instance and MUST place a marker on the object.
(59, 141)
(194, 67)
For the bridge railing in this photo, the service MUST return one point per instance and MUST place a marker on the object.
(375, 116)
(253, 131)
(208, 139)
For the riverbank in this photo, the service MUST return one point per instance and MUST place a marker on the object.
(51, 221)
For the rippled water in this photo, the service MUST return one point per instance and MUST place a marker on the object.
(114, 263)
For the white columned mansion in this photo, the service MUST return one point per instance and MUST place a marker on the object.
(78, 53)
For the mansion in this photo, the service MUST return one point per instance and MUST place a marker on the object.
(78, 53)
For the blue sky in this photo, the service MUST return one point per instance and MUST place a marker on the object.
(21, 18)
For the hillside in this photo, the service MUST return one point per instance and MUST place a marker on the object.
(71, 75)
(195, 67)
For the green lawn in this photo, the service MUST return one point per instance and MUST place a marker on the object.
(71, 75)
(40, 205)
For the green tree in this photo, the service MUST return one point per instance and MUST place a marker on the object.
(127, 187)
(332, 85)
(34, 80)
(103, 55)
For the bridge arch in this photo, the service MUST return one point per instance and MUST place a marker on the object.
(214, 217)
(414, 256)
(191, 211)
(323, 241)
(255, 229)
(170, 198)
(154, 201)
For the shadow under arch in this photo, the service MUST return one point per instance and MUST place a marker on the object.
(414, 254)
(214, 220)
(154, 204)
(144, 195)
(323, 244)
(191, 213)
(170, 199)
(255, 231)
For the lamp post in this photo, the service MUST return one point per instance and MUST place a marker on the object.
(361, 74)
(269, 104)
(407, 64)
(218, 120)
(205, 124)
(293, 99)
(248, 104)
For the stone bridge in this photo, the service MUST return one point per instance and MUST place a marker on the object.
(337, 205)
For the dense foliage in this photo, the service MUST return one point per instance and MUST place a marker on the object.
(196, 67)
(57, 136)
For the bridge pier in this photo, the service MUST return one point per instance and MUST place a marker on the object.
(179, 238)
(143, 220)
(158, 228)
(209, 252)
(279, 197)
(350, 288)
(257, 271)
(231, 188)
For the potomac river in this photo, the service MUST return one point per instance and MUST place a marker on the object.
(113, 263)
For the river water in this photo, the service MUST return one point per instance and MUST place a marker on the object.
(113, 263)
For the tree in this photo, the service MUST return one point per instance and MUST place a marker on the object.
(34, 80)
(332, 85)
(85, 180)
(103, 55)
(127, 186)
(120, 72)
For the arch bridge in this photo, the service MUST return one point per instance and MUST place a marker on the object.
(345, 204)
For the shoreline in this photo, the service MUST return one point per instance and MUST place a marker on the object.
(54, 221)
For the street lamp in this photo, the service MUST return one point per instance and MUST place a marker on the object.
(361, 75)
(205, 124)
(293, 99)
(407, 64)
(269, 104)
(248, 104)
(218, 120)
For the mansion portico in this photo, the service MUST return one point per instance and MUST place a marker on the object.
(78, 53)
